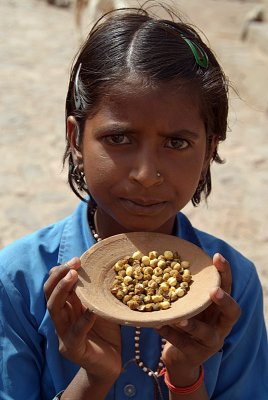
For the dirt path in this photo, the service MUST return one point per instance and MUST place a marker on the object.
(38, 42)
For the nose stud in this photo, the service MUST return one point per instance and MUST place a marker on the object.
(158, 174)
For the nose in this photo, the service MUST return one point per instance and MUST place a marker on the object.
(145, 171)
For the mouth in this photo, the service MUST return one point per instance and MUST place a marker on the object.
(143, 207)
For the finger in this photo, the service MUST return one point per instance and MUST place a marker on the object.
(57, 273)
(176, 337)
(77, 335)
(198, 330)
(73, 263)
(224, 270)
(60, 294)
(228, 307)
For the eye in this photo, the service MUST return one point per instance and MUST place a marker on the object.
(117, 139)
(176, 143)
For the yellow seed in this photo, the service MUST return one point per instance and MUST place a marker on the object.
(147, 277)
(149, 307)
(173, 296)
(180, 292)
(164, 305)
(186, 278)
(166, 276)
(145, 260)
(129, 271)
(164, 287)
(118, 280)
(139, 289)
(126, 298)
(141, 307)
(127, 280)
(147, 299)
(158, 280)
(185, 264)
(174, 273)
(150, 291)
(168, 255)
(119, 294)
(168, 269)
(114, 289)
(137, 255)
(122, 273)
(152, 284)
(158, 271)
(156, 306)
(133, 305)
(153, 254)
(125, 289)
(186, 272)
(136, 297)
(130, 287)
(148, 271)
(138, 275)
(161, 264)
(153, 262)
(172, 281)
(157, 298)
(184, 285)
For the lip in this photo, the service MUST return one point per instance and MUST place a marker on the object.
(143, 207)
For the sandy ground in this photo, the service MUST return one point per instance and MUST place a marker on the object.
(38, 42)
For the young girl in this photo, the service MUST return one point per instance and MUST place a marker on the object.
(146, 109)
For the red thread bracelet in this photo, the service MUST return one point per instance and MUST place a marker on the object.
(186, 389)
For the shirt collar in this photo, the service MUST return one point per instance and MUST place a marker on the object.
(77, 236)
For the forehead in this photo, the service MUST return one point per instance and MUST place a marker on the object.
(168, 103)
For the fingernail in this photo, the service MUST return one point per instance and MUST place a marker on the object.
(219, 293)
(69, 276)
(221, 258)
(72, 262)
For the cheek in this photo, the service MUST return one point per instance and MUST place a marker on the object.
(99, 170)
(187, 171)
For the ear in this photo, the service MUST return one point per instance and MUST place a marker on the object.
(75, 145)
(209, 154)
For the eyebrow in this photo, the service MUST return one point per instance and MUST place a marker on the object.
(118, 128)
(112, 128)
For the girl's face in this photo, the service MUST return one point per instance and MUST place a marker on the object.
(136, 134)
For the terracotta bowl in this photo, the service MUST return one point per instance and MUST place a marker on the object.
(96, 277)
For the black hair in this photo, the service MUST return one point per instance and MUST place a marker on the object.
(134, 40)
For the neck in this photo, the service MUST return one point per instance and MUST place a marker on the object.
(105, 226)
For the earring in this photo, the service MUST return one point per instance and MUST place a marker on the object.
(79, 178)
(158, 174)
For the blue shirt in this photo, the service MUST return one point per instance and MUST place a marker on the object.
(31, 366)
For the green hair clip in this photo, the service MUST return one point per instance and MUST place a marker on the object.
(199, 54)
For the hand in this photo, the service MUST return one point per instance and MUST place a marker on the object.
(193, 341)
(85, 339)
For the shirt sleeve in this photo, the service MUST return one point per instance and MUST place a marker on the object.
(21, 357)
(243, 371)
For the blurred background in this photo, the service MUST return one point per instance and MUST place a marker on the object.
(38, 41)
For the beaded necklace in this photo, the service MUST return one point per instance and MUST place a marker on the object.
(138, 361)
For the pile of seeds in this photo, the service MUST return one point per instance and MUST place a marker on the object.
(151, 282)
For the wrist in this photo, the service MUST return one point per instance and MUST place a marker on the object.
(86, 385)
(182, 377)
(185, 389)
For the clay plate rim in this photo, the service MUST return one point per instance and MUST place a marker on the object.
(96, 276)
